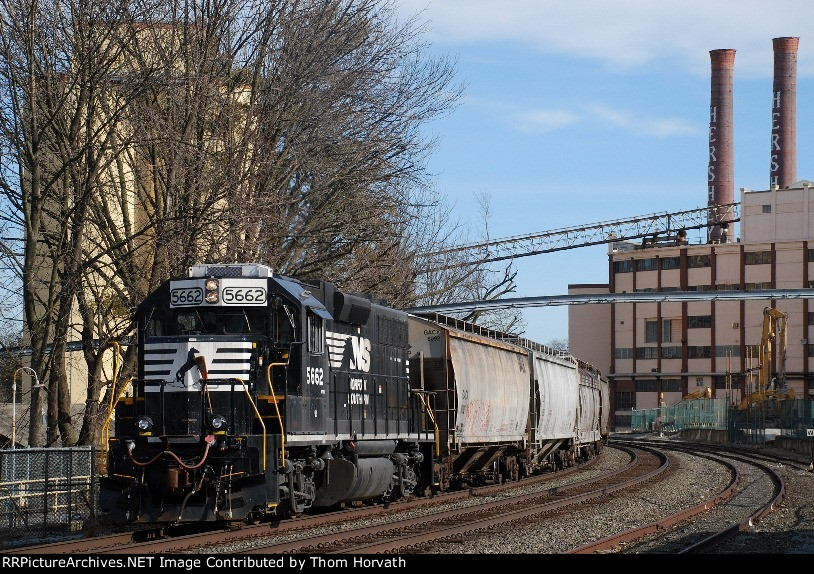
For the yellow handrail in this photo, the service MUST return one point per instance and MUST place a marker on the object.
(256, 412)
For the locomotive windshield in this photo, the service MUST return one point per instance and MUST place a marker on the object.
(214, 321)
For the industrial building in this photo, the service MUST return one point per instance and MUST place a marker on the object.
(656, 353)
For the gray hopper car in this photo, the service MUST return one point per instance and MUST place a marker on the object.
(504, 408)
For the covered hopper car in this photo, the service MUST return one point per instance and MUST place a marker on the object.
(506, 407)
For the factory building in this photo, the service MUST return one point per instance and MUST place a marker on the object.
(659, 352)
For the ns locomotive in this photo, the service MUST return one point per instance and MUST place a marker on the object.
(261, 396)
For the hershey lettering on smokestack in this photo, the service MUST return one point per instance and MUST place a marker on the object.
(783, 165)
(720, 175)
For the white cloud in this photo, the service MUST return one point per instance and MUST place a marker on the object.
(540, 120)
(545, 120)
(635, 122)
(627, 34)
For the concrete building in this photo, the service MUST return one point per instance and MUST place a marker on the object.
(662, 351)
(676, 348)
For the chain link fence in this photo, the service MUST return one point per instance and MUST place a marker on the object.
(47, 493)
(788, 418)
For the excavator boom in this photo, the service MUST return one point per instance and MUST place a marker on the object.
(773, 338)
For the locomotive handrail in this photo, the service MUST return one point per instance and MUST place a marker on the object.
(277, 408)
(105, 433)
(106, 426)
(251, 401)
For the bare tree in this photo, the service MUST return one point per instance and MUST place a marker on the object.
(59, 63)
(454, 276)
(559, 344)
(149, 136)
(285, 133)
(340, 156)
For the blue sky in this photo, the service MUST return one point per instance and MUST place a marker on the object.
(584, 111)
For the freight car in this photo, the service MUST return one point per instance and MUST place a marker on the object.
(506, 407)
(258, 395)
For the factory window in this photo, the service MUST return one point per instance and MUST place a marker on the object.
(651, 385)
(699, 352)
(727, 350)
(698, 261)
(727, 287)
(647, 385)
(671, 263)
(758, 286)
(811, 318)
(672, 352)
(670, 330)
(624, 401)
(810, 348)
(700, 288)
(719, 381)
(622, 266)
(699, 321)
(647, 352)
(757, 257)
(647, 265)
(651, 331)
(767, 209)
(666, 289)
(623, 353)
(810, 255)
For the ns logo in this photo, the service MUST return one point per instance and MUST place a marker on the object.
(350, 350)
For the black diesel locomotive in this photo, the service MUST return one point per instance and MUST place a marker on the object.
(258, 395)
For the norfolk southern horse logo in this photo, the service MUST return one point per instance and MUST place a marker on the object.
(349, 351)
(179, 376)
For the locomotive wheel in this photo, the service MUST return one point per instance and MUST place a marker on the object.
(253, 518)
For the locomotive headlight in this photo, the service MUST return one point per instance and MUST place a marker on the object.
(211, 287)
(218, 423)
(144, 424)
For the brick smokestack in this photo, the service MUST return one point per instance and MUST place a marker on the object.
(720, 175)
(783, 165)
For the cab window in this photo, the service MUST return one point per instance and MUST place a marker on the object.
(316, 334)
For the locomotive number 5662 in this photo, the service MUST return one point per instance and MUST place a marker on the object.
(244, 295)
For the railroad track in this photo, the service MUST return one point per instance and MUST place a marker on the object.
(757, 492)
(402, 531)
(174, 540)
(483, 520)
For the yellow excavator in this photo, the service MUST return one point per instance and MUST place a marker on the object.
(699, 394)
(773, 337)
